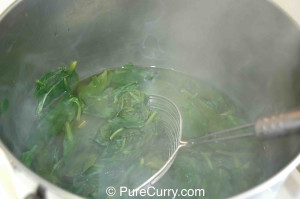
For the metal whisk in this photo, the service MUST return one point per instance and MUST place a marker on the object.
(171, 117)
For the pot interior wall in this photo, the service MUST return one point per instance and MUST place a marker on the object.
(249, 49)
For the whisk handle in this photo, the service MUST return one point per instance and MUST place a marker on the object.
(278, 124)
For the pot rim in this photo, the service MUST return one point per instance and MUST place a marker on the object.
(260, 188)
(280, 176)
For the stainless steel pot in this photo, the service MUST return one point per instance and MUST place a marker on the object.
(249, 49)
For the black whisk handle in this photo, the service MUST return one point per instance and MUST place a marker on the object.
(277, 125)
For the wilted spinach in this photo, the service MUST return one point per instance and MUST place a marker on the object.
(100, 132)
(84, 126)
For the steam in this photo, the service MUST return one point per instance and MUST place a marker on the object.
(227, 45)
(246, 49)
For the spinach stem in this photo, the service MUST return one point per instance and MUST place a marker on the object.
(82, 124)
(152, 116)
(123, 144)
(78, 112)
(115, 133)
(69, 131)
(79, 109)
(207, 160)
(72, 67)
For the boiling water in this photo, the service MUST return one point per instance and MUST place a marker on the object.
(221, 169)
